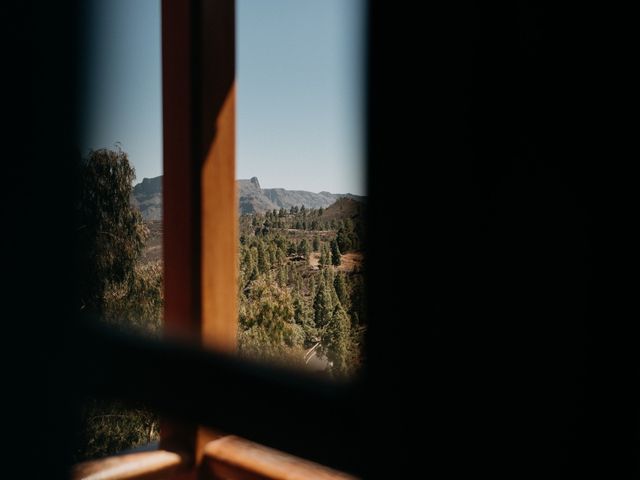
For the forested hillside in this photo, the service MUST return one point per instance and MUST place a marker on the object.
(301, 289)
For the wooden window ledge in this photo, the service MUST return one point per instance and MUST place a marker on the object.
(227, 458)
(234, 458)
(155, 465)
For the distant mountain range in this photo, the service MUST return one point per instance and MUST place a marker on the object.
(147, 196)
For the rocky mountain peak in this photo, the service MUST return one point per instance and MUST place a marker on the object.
(148, 186)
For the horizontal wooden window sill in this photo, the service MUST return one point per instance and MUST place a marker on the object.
(227, 458)
(234, 458)
(155, 465)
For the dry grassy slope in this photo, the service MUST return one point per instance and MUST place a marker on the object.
(343, 208)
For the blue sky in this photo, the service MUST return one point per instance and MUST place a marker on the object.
(300, 94)
(123, 101)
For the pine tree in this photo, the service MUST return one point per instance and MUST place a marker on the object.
(282, 276)
(340, 286)
(358, 299)
(304, 249)
(325, 257)
(273, 254)
(328, 278)
(247, 265)
(303, 317)
(335, 254)
(343, 239)
(263, 258)
(322, 306)
(337, 341)
(316, 244)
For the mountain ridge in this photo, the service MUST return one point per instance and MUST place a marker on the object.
(252, 198)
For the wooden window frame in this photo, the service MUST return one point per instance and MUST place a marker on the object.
(199, 389)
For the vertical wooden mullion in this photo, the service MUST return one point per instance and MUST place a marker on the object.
(180, 198)
(218, 234)
(199, 198)
(219, 225)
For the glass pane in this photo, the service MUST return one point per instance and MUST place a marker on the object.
(119, 204)
(301, 183)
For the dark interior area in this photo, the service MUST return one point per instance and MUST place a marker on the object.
(504, 345)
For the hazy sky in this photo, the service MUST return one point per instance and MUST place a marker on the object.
(299, 89)
(299, 93)
(124, 97)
